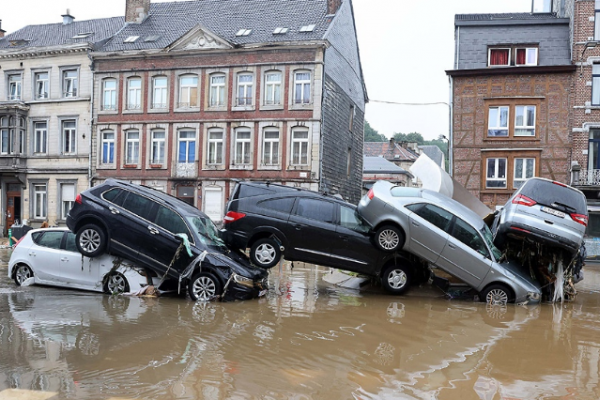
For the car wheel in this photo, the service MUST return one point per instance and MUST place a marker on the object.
(91, 240)
(396, 279)
(204, 286)
(22, 273)
(389, 238)
(116, 283)
(496, 294)
(265, 253)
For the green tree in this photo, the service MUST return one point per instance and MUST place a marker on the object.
(413, 137)
(371, 135)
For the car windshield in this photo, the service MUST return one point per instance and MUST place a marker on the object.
(487, 236)
(207, 231)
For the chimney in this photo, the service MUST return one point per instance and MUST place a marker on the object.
(136, 11)
(67, 18)
(333, 6)
(2, 31)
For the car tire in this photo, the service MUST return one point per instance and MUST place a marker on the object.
(496, 294)
(396, 279)
(389, 238)
(22, 273)
(90, 240)
(116, 283)
(265, 253)
(204, 286)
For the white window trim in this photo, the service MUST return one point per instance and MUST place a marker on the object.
(34, 199)
(127, 109)
(236, 127)
(263, 89)
(61, 122)
(151, 89)
(496, 178)
(496, 125)
(101, 131)
(292, 88)
(188, 108)
(121, 141)
(114, 107)
(165, 140)
(18, 84)
(34, 81)
(237, 72)
(60, 184)
(34, 138)
(64, 69)
(290, 148)
(209, 75)
(524, 117)
(527, 51)
(269, 125)
(490, 56)
(127, 141)
(524, 176)
(208, 126)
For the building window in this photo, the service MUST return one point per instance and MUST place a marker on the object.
(524, 169)
(158, 147)
(187, 147)
(597, 20)
(215, 147)
(300, 147)
(109, 94)
(273, 88)
(596, 83)
(40, 137)
(501, 124)
(244, 89)
(524, 120)
(67, 199)
(302, 87)
(217, 90)
(108, 147)
(134, 93)
(242, 147)
(188, 91)
(40, 201)
(132, 147)
(499, 57)
(69, 82)
(271, 147)
(14, 87)
(159, 92)
(496, 173)
(543, 6)
(498, 121)
(69, 136)
(526, 56)
(6, 134)
(41, 85)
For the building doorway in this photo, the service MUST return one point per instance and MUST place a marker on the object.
(13, 205)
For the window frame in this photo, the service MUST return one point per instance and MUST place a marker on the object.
(190, 153)
(36, 196)
(111, 145)
(17, 84)
(302, 83)
(39, 147)
(64, 79)
(524, 174)
(490, 49)
(511, 157)
(525, 116)
(158, 146)
(68, 136)
(162, 90)
(216, 90)
(270, 142)
(45, 85)
(216, 147)
(496, 178)
(246, 88)
(511, 105)
(62, 212)
(242, 151)
(193, 99)
(596, 20)
(112, 95)
(512, 56)
(134, 93)
(271, 86)
(132, 148)
(596, 81)
(527, 51)
(299, 141)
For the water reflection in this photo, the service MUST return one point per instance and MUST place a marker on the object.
(305, 340)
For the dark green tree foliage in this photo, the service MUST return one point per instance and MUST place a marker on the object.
(371, 135)
(413, 137)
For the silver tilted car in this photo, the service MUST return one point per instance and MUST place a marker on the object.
(448, 235)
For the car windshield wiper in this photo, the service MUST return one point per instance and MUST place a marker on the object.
(563, 206)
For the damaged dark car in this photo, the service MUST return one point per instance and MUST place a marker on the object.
(167, 237)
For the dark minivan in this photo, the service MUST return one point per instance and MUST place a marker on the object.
(302, 225)
(147, 227)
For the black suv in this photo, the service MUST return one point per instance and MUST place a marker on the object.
(302, 225)
(147, 226)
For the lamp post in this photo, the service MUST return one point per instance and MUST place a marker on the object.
(588, 45)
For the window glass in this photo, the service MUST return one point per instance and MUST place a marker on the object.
(596, 83)
(350, 220)
(50, 239)
(469, 236)
(437, 216)
(498, 121)
(403, 191)
(283, 205)
(499, 56)
(171, 221)
(138, 205)
(496, 173)
(316, 209)
(70, 243)
(525, 121)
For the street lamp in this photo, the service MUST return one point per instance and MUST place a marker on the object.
(588, 45)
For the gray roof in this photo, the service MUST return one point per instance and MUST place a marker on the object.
(433, 152)
(224, 18)
(382, 166)
(59, 34)
(507, 18)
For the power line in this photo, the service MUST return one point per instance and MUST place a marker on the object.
(409, 104)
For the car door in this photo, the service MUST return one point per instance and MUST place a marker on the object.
(160, 250)
(46, 256)
(353, 249)
(428, 229)
(83, 271)
(312, 230)
(133, 225)
(465, 256)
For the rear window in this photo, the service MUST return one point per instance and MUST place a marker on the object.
(114, 196)
(402, 191)
(546, 193)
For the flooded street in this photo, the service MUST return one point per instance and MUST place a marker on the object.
(305, 340)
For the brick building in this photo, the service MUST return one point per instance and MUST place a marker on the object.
(188, 99)
(510, 88)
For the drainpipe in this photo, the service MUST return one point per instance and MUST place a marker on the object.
(323, 94)
(91, 119)
(450, 130)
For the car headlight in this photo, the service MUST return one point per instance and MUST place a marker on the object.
(242, 280)
(533, 295)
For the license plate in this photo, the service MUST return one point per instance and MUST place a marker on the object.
(262, 293)
(554, 212)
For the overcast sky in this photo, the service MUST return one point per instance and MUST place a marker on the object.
(405, 47)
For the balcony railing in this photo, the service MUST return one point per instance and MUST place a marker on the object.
(587, 177)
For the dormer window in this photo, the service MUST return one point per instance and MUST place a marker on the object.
(505, 56)
(542, 6)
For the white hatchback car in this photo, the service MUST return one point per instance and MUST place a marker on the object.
(51, 257)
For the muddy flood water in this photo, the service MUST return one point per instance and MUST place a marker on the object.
(305, 340)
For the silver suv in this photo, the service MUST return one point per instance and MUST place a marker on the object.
(546, 212)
